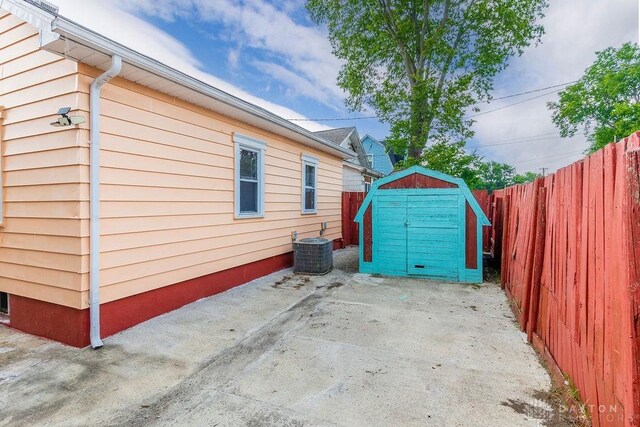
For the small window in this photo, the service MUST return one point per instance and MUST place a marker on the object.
(367, 187)
(249, 177)
(370, 158)
(309, 184)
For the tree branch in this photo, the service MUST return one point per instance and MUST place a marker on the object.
(410, 66)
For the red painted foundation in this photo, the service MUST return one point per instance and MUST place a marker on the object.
(71, 326)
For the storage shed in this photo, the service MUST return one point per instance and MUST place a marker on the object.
(423, 223)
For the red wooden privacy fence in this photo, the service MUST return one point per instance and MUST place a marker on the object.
(482, 197)
(351, 202)
(569, 245)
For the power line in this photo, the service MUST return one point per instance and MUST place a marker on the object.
(510, 105)
(533, 91)
(550, 138)
(555, 156)
(527, 137)
(513, 95)
(335, 119)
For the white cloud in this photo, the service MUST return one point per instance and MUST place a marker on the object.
(575, 30)
(302, 50)
(233, 57)
(123, 27)
(297, 85)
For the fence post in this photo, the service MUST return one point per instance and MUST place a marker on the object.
(538, 259)
(506, 225)
(355, 206)
(346, 227)
(529, 266)
(498, 223)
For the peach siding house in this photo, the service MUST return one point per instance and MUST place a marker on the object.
(199, 191)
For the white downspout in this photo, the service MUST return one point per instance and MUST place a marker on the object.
(94, 198)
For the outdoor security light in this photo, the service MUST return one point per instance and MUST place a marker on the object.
(66, 120)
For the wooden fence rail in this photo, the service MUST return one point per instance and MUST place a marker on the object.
(569, 246)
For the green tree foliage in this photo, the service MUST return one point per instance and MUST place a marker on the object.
(605, 102)
(525, 177)
(494, 175)
(452, 159)
(422, 64)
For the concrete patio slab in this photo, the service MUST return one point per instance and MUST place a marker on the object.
(341, 349)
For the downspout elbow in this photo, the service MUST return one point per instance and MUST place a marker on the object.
(94, 198)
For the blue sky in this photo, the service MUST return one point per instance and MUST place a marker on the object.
(269, 53)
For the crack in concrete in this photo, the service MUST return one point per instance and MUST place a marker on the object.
(217, 373)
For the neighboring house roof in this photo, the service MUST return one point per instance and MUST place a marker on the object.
(348, 137)
(73, 41)
(393, 157)
(337, 136)
(473, 203)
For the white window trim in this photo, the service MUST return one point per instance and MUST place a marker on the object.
(311, 161)
(371, 158)
(243, 142)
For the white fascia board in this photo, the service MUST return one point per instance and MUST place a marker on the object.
(32, 14)
(353, 166)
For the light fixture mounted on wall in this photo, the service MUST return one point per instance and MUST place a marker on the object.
(66, 120)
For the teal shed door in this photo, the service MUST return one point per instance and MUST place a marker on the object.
(390, 233)
(419, 235)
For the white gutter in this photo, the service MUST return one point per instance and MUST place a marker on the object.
(94, 198)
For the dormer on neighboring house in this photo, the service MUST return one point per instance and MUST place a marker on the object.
(377, 154)
(358, 173)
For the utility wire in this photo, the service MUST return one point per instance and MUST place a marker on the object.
(533, 91)
(335, 119)
(513, 95)
(555, 156)
(510, 105)
(528, 137)
(549, 138)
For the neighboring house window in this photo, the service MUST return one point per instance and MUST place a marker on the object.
(367, 187)
(309, 184)
(370, 158)
(249, 176)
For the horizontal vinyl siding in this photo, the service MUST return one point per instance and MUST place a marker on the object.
(352, 180)
(168, 192)
(43, 238)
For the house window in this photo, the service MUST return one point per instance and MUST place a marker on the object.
(249, 176)
(367, 187)
(370, 158)
(309, 184)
